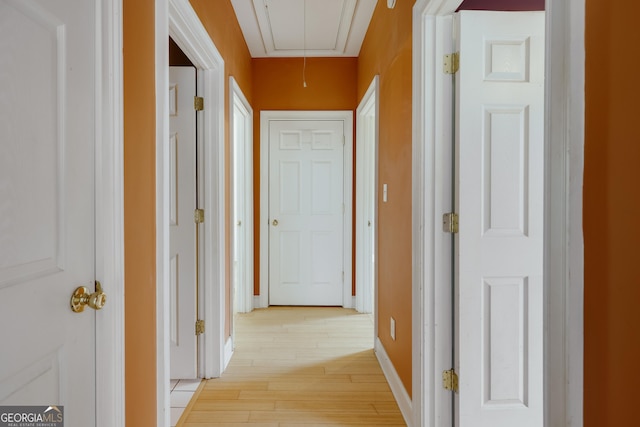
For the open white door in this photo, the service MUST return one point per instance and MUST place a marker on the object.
(182, 204)
(366, 202)
(242, 199)
(47, 185)
(306, 212)
(500, 146)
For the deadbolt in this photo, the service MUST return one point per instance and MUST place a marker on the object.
(81, 298)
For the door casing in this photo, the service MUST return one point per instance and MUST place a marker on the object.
(176, 18)
(347, 118)
(564, 153)
(109, 185)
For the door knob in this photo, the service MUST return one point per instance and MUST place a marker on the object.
(275, 222)
(81, 298)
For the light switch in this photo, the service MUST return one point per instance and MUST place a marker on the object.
(392, 329)
(384, 192)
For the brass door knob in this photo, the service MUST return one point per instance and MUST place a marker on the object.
(275, 222)
(81, 298)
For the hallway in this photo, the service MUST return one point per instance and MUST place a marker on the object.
(298, 366)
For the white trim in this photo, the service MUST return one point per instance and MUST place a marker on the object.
(347, 118)
(236, 97)
(395, 383)
(370, 104)
(110, 214)
(564, 91)
(228, 352)
(256, 301)
(564, 253)
(163, 355)
(186, 29)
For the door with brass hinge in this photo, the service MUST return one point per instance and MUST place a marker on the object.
(500, 193)
(184, 218)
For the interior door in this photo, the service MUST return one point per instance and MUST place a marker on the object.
(47, 218)
(501, 207)
(242, 236)
(182, 238)
(366, 149)
(306, 212)
(239, 277)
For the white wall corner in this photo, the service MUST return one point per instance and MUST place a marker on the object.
(397, 388)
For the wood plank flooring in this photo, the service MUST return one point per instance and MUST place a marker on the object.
(298, 366)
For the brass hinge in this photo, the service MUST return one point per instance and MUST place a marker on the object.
(198, 103)
(450, 222)
(452, 63)
(199, 327)
(198, 216)
(450, 380)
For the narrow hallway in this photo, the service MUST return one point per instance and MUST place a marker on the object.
(298, 366)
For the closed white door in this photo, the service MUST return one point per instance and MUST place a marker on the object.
(306, 212)
(501, 207)
(47, 219)
(182, 204)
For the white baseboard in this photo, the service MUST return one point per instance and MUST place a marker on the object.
(397, 388)
(228, 352)
(256, 302)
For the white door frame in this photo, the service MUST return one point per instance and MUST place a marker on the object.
(564, 144)
(369, 105)
(176, 18)
(109, 185)
(237, 98)
(347, 118)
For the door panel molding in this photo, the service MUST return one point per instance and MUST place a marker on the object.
(347, 118)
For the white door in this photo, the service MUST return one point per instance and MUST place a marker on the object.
(306, 212)
(242, 199)
(366, 152)
(501, 202)
(47, 218)
(182, 204)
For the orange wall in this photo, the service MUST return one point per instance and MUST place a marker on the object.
(277, 83)
(220, 21)
(387, 52)
(611, 211)
(139, 213)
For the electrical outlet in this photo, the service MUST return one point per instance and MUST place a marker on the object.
(392, 329)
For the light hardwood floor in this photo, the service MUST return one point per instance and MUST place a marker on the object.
(298, 367)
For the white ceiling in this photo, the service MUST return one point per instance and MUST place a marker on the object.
(285, 28)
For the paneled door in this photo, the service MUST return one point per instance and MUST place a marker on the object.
(500, 175)
(306, 212)
(182, 226)
(48, 113)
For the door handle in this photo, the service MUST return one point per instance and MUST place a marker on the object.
(275, 223)
(81, 298)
